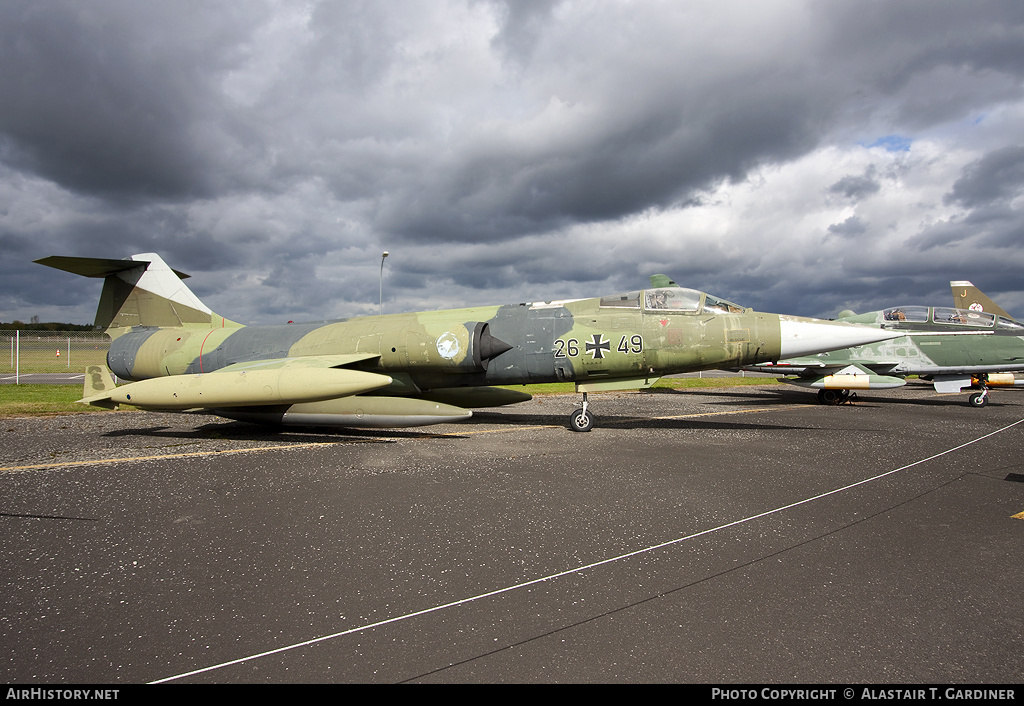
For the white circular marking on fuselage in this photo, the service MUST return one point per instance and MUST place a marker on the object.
(448, 345)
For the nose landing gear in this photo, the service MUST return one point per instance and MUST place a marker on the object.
(581, 419)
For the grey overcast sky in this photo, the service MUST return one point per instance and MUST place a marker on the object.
(795, 156)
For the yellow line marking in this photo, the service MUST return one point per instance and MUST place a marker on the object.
(734, 411)
(122, 459)
(501, 431)
(1018, 516)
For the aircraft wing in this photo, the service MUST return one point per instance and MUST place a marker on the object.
(811, 366)
(834, 374)
(321, 362)
(278, 381)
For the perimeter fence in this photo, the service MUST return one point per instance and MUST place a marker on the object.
(28, 352)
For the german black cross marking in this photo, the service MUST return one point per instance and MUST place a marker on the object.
(598, 346)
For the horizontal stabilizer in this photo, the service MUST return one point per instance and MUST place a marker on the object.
(140, 291)
(95, 266)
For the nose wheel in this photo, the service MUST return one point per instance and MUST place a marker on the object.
(581, 419)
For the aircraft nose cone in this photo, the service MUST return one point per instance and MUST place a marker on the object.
(808, 336)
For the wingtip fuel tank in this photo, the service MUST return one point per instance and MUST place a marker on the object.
(241, 388)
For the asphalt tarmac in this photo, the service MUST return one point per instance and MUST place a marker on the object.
(42, 379)
(733, 535)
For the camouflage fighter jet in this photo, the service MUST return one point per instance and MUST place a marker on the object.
(955, 348)
(417, 368)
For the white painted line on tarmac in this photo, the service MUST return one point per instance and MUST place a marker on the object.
(578, 569)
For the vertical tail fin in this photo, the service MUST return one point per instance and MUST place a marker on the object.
(967, 296)
(140, 291)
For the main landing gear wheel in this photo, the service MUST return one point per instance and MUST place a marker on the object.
(980, 399)
(833, 396)
(581, 419)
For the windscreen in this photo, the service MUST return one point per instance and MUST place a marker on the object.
(672, 299)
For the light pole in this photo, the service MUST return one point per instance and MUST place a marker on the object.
(383, 257)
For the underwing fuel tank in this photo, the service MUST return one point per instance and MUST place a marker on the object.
(477, 396)
(999, 380)
(851, 382)
(242, 388)
(367, 412)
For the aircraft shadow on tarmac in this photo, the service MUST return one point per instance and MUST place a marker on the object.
(782, 393)
(240, 431)
(622, 421)
(924, 395)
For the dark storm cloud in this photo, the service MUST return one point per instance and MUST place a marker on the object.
(996, 176)
(604, 172)
(985, 191)
(851, 227)
(856, 187)
(495, 146)
(522, 22)
(936, 59)
(119, 99)
(665, 135)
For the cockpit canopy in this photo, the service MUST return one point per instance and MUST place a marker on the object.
(900, 316)
(672, 300)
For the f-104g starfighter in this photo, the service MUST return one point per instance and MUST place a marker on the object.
(418, 368)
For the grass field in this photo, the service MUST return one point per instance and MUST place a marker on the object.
(41, 400)
(40, 356)
(51, 400)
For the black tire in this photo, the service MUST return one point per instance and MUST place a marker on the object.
(978, 400)
(830, 396)
(579, 422)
